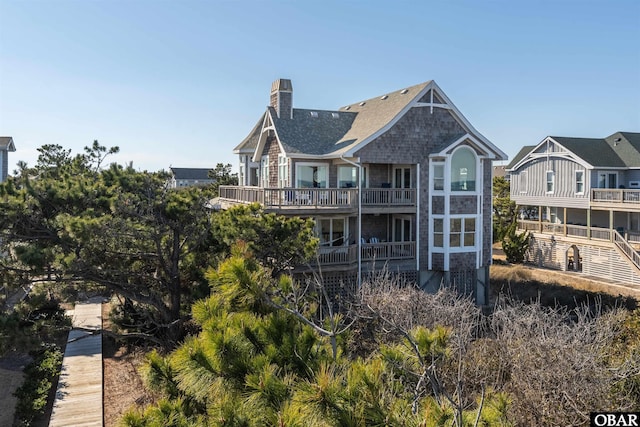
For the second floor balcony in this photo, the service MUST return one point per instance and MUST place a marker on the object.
(615, 197)
(369, 252)
(302, 199)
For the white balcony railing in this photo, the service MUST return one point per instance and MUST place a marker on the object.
(331, 255)
(571, 229)
(606, 195)
(318, 197)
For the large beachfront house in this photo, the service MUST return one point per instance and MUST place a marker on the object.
(401, 181)
(580, 198)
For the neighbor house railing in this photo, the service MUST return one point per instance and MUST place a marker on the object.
(620, 195)
(571, 229)
(624, 246)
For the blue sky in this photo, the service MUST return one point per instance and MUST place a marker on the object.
(180, 83)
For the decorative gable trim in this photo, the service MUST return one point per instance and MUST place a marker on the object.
(6, 143)
(470, 140)
(542, 151)
(267, 125)
(438, 99)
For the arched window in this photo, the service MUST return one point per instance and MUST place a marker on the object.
(463, 170)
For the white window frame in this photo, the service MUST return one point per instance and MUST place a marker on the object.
(353, 178)
(402, 182)
(445, 234)
(475, 178)
(311, 164)
(550, 183)
(438, 233)
(464, 220)
(264, 171)
(329, 242)
(283, 171)
(438, 180)
(580, 182)
(403, 219)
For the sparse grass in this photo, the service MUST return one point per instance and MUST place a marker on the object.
(553, 288)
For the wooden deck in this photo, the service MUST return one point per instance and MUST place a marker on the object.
(79, 394)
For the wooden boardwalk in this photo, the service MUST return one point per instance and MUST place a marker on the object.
(79, 395)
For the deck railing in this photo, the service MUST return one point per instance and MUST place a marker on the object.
(332, 255)
(571, 229)
(389, 196)
(337, 254)
(624, 246)
(389, 250)
(318, 197)
(607, 195)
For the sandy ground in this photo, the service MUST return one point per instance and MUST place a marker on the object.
(123, 387)
(10, 381)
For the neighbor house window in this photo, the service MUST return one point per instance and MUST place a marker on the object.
(607, 180)
(462, 232)
(523, 181)
(579, 182)
(463, 170)
(264, 170)
(551, 181)
(283, 171)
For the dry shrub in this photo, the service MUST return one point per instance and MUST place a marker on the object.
(556, 364)
(510, 273)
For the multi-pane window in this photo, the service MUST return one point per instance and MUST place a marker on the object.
(607, 180)
(438, 232)
(579, 182)
(332, 231)
(462, 232)
(402, 177)
(283, 171)
(551, 181)
(438, 176)
(264, 170)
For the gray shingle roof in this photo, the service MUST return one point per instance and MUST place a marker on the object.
(334, 132)
(313, 131)
(251, 141)
(375, 113)
(521, 155)
(191, 173)
(6, 143)
(620, 150)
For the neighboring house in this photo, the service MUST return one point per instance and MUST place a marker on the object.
(401, 181)
(500, 171)
(580, 197)
(185, 177)
(6, 145)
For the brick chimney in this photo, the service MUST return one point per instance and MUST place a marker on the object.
(282, 98)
